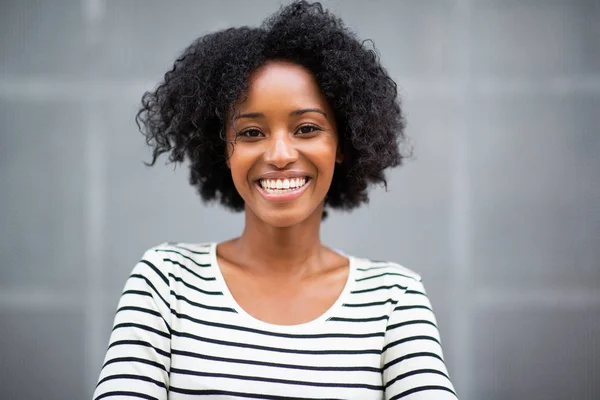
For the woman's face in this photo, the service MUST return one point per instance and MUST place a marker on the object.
(285, 147)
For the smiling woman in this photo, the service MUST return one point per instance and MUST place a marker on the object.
(283, 136)
(280, 122)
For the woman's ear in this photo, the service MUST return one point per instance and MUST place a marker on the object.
(228, 146)
(339, 157)
(228, 152)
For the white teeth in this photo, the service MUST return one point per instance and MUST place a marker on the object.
(282, 185)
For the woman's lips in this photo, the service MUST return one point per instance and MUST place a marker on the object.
(286, 195)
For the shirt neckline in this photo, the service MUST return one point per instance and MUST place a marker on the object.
(276, 327)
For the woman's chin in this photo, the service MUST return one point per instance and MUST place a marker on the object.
(285, 218)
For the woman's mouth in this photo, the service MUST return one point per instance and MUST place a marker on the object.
(282, 190)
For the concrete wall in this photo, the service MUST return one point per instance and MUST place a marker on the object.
(499, 211)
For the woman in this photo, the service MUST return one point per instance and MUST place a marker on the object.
(280, 122)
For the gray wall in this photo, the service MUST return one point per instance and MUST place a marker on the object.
(499, 211)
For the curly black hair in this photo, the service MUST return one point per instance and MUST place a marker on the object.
(185, 115)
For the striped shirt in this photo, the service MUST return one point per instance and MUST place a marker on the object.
(179, 334)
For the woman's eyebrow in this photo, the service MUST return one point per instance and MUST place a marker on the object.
(307, 110)
(256, 115)
(250, 115)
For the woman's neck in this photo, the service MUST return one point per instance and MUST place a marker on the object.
(289, 251)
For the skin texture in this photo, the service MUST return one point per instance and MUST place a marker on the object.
(277, 270)
(268, 135)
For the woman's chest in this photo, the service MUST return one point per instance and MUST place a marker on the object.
(286, 302)
(226, 360)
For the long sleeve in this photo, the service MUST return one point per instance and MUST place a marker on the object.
(137, 361)
(413, 364)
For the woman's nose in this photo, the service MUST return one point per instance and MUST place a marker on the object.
(281, 151)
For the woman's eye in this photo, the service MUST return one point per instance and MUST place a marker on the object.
(308, 129)
(251, 133)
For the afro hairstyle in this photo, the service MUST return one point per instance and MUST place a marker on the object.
(185, 115)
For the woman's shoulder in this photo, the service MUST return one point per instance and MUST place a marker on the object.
(369, 267)
(180, 248)
(384, 276)
(166, 249)
(167, 256)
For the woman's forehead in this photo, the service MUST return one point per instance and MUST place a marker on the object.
(282, 76)
(279, 83)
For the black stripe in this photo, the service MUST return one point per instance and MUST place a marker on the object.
(195, 304)
(276, 334)
(421, 389)
(156, 270)
(276, 380)
(140, 309)
(139, 292)
(376, 267)
(410, 339)
(372, 267)
(139, 343)
(416, 372)
(274, 349)
(134, 359)
(416, 321)
(186, 257)
(212, 392)
(204, 278)
(414, 292)
(122, 393)
(381, 303)
(383, 274)
(372, 319)
(402, 308)
(412, 355)
(178, 279)
(374, 303)
(140, 326)
(192, 251)
(272, 364)
(134, 377)
(378, 288)
(151, 285)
